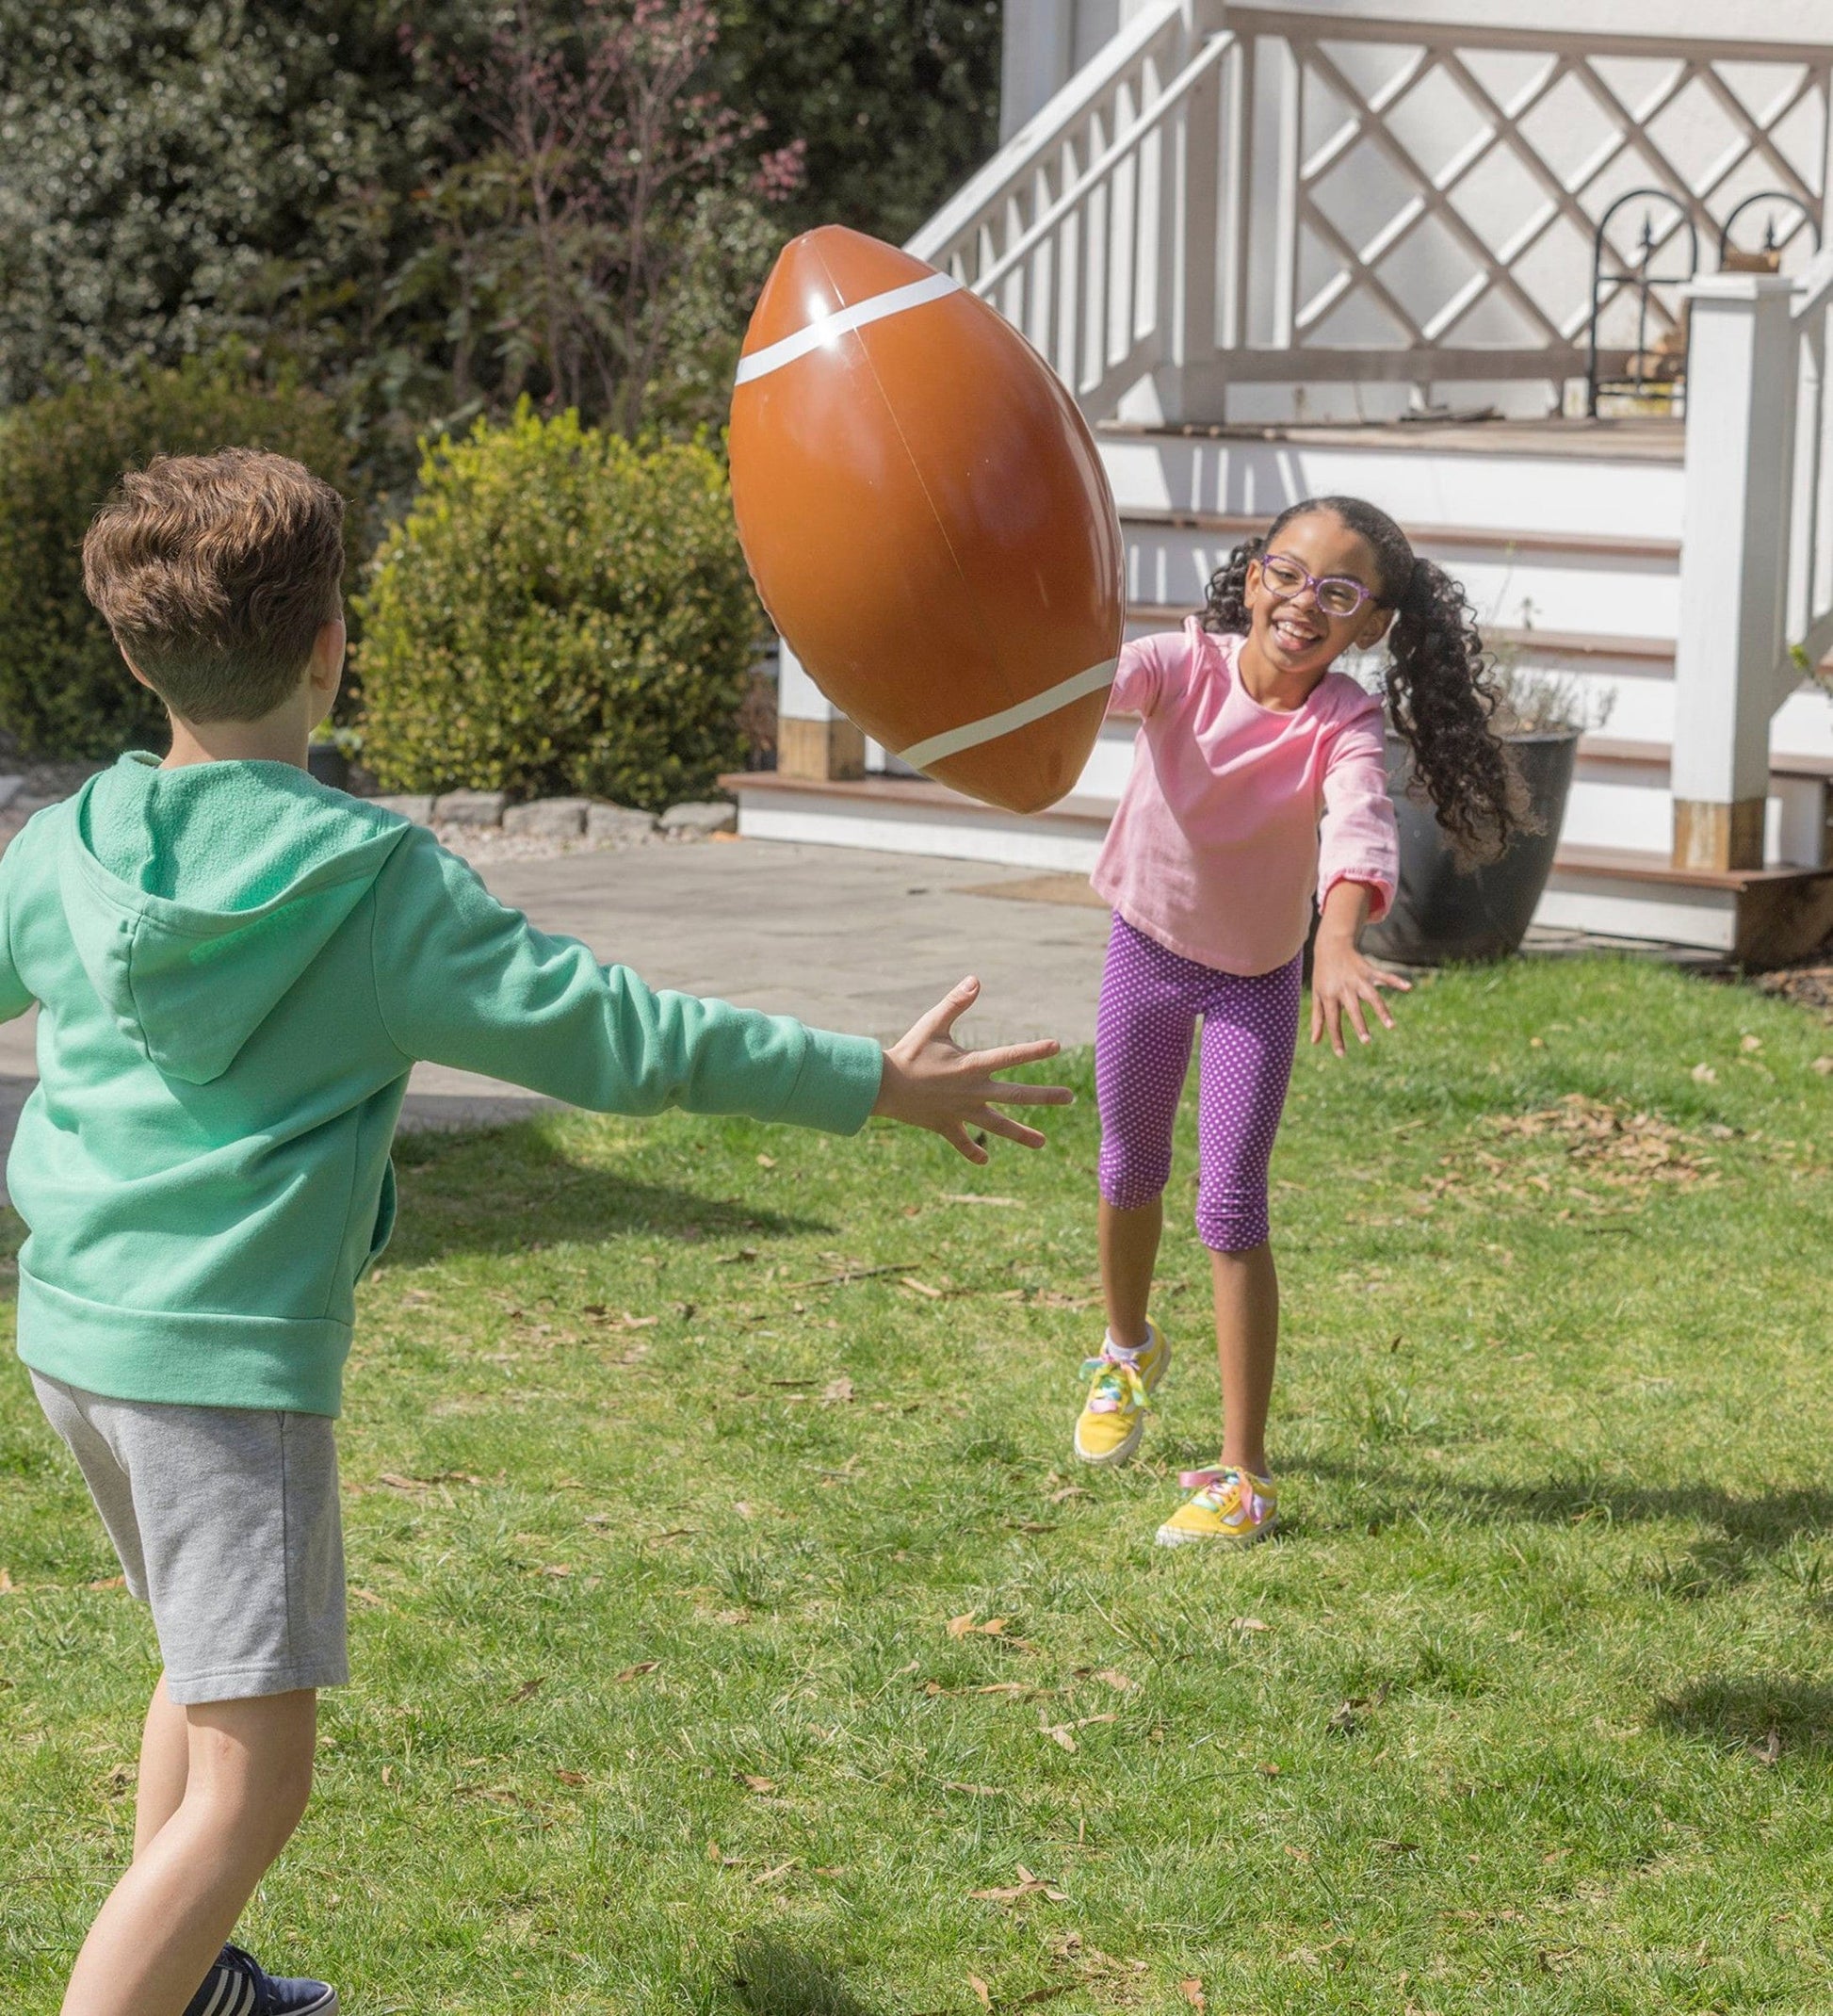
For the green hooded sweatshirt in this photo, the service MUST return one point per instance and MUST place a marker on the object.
(236, 970)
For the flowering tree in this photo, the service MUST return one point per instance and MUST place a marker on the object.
(573, 237)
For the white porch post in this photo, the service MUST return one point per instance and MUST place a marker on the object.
(1734, 553)
(813, 738)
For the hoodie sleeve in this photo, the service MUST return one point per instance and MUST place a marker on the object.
(15, 996)
(462, 980)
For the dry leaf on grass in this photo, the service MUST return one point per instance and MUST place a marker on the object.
(773, 1876)
(767, 1162)
(1249, 1623)
(757, 1784)
(978, 1792)
(1593, 1141)
(974, 1197)
(981, 1990)
(1769, 1749)
(1028, 1885)
(1061, 1732)
(1192, 1991)
(839, 1394)
(6, 1584)
(921, 1288)
(1109, 1676)
(635, 1672)
(962, 1625)
(572, 1777)
(1824, 1065)
(525, 1692)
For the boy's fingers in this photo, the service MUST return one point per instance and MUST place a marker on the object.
(1011, 1055)
(997, 1123)
(1332, 1015)
(1392, 980)
(1010, 1095)
(964, 1142)
(1355, 1009)
(1380, 1007)
(941, 1019)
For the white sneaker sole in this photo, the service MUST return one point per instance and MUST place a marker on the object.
(1122, 1452)
(1169, 1535)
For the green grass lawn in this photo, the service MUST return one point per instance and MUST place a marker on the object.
(665, 1480)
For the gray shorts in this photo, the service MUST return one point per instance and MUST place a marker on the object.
(227, 1524)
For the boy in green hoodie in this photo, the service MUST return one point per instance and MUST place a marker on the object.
(236, 970)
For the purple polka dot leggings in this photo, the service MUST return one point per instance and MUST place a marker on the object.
(1150, 1000)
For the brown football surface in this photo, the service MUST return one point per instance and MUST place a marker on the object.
(926, 519)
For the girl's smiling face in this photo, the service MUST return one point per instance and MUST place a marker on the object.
(1294, 638)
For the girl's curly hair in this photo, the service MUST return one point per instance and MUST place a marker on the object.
(1441, 689)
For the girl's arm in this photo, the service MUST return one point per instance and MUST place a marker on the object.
(1147, 666)
(1358, 868)
(1341, 979)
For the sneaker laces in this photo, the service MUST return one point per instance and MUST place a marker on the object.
(1117, 1380)
(1214, 1485)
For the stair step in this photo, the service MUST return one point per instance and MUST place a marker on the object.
(1627, 439)
(1535, 644)
(1588, 546)
(1758, 917)
(1761, 917)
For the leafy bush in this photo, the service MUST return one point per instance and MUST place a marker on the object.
(63, 688)
(560, 610)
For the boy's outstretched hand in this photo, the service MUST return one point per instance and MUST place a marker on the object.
(931, 1081)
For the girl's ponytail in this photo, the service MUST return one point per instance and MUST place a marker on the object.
(1442, 698)
(1441, 689)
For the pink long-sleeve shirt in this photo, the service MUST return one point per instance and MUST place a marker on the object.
(1235, 813)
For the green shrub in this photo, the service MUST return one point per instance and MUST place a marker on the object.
(560, 610)
(63, 688)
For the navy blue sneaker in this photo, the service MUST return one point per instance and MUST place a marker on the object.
(238, 1986)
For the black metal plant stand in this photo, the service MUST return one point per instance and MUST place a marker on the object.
(1638, 277)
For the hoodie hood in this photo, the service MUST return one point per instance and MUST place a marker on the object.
(197, 897)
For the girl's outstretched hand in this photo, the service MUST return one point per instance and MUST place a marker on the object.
(1342, 984)
(931, 1081)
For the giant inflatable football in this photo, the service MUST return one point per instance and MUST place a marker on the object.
(926, 519)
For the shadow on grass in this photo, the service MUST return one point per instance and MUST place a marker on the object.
(1744, 1528)
(508, 1190)
(1769, 1713)
(773, 1977)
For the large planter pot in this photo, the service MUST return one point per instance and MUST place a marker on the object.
(1445, 915)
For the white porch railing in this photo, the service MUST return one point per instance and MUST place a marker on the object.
(1237, 197)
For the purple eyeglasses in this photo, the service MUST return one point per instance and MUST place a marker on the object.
(1337, 595)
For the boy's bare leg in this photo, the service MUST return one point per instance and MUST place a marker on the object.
(248, 1773)
(1247, 1343)
(1130, 1252)
(164, 1765)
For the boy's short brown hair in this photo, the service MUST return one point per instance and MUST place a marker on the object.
(215, 573)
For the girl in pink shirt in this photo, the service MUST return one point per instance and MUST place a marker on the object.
(1258, 782)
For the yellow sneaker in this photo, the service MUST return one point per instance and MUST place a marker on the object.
(1231, 1505)
(1108, 1429)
